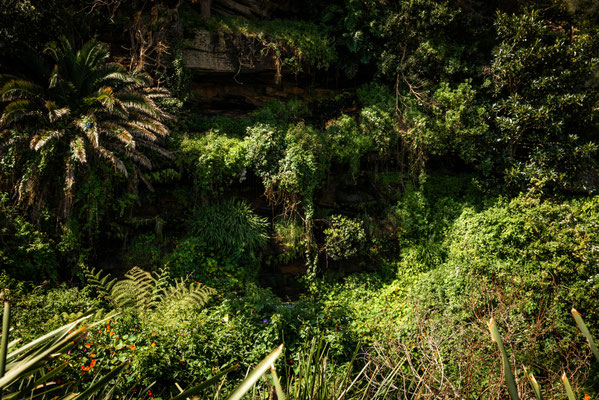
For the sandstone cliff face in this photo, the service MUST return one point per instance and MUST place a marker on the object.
(214, 53)
(231, 79)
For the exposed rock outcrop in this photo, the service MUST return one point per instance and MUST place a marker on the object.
(215, 52)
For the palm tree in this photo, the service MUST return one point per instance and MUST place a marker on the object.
(74, 114)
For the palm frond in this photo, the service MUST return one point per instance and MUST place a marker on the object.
(158, 149)
(116, 131)
(18, 110)
(142, 122)
(19, 89)
(138, 157)
(69, 181)
(98, 76)
(55, 113)
(92, 54)
(141, 131)
(135, 101)
(40, 141)
(142, 177)
(109, 155)
(78, 150)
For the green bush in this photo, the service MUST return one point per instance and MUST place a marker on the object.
(344, 238)
(291, 163)
(27, 252)
(215, 160)
(230, 227)
(290, 236)
(348, 144)
(37, 309)
(545, 96)
(526, 262)
(194, 259)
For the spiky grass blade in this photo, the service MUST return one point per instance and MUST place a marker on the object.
(39, 357)
(534, 384)
(585, 331)
(54, 335)
(4, 343)
(509, 377)
(103, 382)
(256, 373)
(569, 390)
(196, 389)
(277, 382)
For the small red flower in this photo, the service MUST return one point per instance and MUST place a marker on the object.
(255, 310)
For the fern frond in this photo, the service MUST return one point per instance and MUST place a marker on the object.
(136, 290)
(194, 295)
(102, 284)
(161, 284)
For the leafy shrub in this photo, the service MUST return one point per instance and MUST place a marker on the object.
(26, 252)
(265, 147)
(290, 163)
(290, 236)
(279, 112)
(215, 160)
(526, 262)
(37, 309)
(544, 107)
(194, 259)
(230, 227)
(377, 120)
(344, 238)
(347, 142)
(455, 124)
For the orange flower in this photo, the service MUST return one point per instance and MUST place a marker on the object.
(132, 347)
(154, 334)
(587, 397)
(112, 332)
(92, 364)
(153, 344)
(92, 354)
(87, 345)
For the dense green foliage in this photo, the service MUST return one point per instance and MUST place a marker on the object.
(388, 177)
